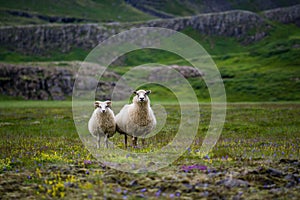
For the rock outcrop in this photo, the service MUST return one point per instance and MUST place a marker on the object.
(284, 15)
(35, 82)
(43, 39)
(48, 83)
(54, 82)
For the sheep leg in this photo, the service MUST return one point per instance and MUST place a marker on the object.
(106, 141)
(134, 141)
(98, 141)
(143, 141)
(125, 141)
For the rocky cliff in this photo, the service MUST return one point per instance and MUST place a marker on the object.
(53, 82)
(46, 38)
(35, 82)
(284, 15)
(42, 39)
(49, 82)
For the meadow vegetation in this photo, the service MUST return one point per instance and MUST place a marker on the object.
(257, 154)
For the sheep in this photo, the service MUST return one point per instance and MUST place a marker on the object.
(102, 122)
(136, 119)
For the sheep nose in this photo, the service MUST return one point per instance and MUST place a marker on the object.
(142, 98)
(103, 111)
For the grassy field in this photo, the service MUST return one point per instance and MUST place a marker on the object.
(257, 156)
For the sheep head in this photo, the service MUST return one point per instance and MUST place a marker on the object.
(103, 106)
(141, 96)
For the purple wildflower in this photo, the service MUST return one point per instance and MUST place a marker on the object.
(143, 190)
(118, 190)
(189, 150)
(158, 193)
(195, 166)
(87, 162)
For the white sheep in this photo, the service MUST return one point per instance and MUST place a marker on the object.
(136, 119)
(102, 122)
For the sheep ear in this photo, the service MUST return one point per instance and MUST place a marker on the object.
(108, 103)
(96, 104)
(148, 92)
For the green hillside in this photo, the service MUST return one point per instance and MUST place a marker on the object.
(264, 71)
(193, 7)
(39, 12)
(15, 12)
(267, 70)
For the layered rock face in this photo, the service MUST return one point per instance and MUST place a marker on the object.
(49, 83)
(284, 15)
(35, 82)
(42, 39)
(56, 83)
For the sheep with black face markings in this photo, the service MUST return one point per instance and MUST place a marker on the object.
(102, 122)
(136, 119)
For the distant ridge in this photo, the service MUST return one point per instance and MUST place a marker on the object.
(173, 8)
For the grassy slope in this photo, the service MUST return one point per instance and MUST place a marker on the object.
(193, 7)
(267, 70)
(264, 71)
(93, 10)
(115, 10)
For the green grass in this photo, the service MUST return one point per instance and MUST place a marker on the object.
(15, 57)
(92, 10)
(41, 150)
